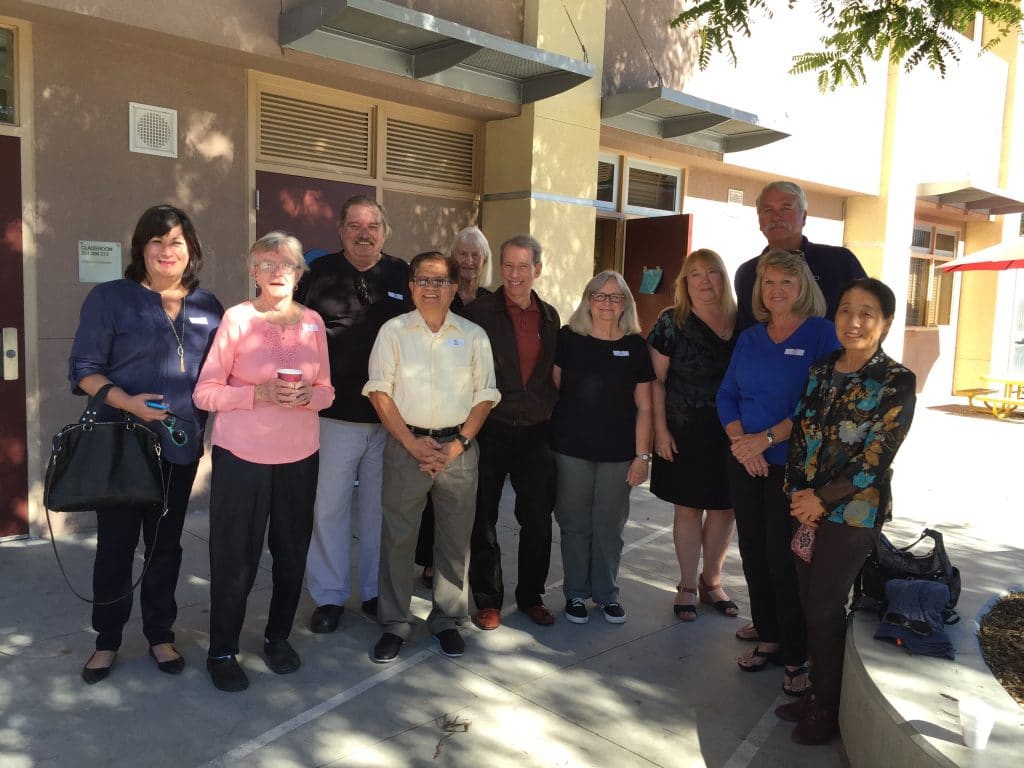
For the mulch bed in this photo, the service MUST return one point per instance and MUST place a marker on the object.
(1002, 643)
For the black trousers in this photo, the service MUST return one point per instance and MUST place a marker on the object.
(117, 536)
(764, 529)
(523, 455)
(244, 498)
(825, 583)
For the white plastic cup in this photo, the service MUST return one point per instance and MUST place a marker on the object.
(976, 721)
(289, 374)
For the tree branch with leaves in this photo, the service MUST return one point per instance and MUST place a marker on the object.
(909, 32)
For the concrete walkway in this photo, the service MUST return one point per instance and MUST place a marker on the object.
(651, 692)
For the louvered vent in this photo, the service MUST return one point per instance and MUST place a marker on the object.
(430, 155)
(334, 137)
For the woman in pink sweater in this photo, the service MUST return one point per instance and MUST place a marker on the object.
(266, 377)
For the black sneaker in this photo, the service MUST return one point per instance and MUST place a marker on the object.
(576, 610)
(387, 648)
(226, 674)
(614, 613)
(281, 657)
(452, 644)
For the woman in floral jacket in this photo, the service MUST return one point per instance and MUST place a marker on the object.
(854, 414)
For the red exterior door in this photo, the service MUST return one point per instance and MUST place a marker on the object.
(13, 435)
(661, 241)
(304, 207)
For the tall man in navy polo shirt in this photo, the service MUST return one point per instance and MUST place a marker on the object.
(514, 440)
(356, 291)
(781, 214)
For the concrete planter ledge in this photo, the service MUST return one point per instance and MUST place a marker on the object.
(899, 709)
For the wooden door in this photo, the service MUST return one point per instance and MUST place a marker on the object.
(660, 241)
(13, 434)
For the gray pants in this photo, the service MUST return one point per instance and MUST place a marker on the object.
(404, 494)
(591, 507)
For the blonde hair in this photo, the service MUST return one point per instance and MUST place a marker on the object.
(810, 302)
(581, 321)
(681, 291)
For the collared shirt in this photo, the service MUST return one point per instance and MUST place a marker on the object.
(526, 324)
(435, 379)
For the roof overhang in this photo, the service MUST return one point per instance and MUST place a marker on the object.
(389, 38)
(667, 114)
(968, 196)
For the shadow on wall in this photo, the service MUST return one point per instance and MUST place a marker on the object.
(626, 63)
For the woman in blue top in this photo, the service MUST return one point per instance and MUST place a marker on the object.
(755, 405)
(147, 334)
(854, 414)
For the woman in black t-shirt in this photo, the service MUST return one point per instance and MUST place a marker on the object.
(601, 435)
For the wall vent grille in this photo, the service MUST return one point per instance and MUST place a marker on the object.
(430, 155)
(319, 134)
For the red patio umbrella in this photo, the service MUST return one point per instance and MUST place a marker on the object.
(993, 258)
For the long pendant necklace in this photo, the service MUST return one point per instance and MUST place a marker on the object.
(179, 338)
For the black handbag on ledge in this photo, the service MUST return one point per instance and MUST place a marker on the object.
(103, 464)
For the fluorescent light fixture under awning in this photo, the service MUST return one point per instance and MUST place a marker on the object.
(667, 114)
(390, 38)
(989, 200)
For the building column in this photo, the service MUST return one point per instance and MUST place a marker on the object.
(540, 168)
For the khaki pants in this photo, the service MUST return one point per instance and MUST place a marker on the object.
(404, 494)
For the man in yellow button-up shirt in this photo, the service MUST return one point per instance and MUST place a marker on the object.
(431, 380)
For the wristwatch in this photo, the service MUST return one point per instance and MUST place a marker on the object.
(464, 441)
(771, 437)
(644, 456)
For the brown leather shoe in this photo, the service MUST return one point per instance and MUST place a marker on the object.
(539, 614)
(817, 726)
(488, 618)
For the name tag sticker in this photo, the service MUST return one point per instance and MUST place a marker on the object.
(310, 327)
(394, 295)
(794, 352)
(620, 352)
(199, 320)
(456, 342)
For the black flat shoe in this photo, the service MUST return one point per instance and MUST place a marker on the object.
(387, 648)
(370, 606)
(171, 666)
(92, 675)
(325, 618)
(227, 674)
(281, 657)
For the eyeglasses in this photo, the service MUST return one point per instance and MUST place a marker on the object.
(277, 266)
(362, 292)
(178, 436)
(431, 282)
(916, 626)
(614, 298)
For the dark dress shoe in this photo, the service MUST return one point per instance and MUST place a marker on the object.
(387, 648)
(795, 710)
(488, 618)
(816, 726)
(452, 644)
(539, 614)
(171, 666)
(325, 618)
(370, 606)
(281, 657)
(93, 675)
(227, 674)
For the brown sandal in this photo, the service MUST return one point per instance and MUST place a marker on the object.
(688, 611)
(724, 607)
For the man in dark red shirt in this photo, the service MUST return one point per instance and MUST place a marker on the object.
(514, 440)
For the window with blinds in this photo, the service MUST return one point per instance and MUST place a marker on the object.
(929, 289)
(651, 188)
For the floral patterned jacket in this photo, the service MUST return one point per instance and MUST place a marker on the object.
(846, 431)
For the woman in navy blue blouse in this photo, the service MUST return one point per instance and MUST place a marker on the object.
(147, 334)
(755, 404)
(854, 414)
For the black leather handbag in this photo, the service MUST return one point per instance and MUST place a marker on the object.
(103, 465)
(890, 562)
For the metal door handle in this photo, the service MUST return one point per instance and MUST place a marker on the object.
(10, 354)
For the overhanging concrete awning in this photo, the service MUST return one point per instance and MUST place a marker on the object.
(387, 37)
(667, 114)
(989, 200)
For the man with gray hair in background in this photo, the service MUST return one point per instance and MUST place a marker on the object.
(781, 214)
